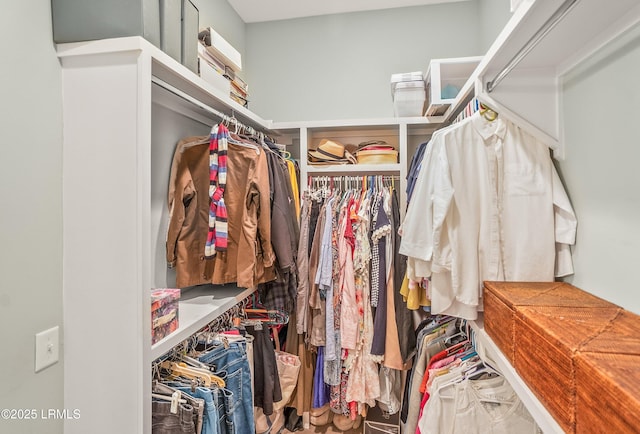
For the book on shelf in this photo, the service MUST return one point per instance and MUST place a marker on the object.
(239, 99)
(216, 63)
(218, 47)
(238, 90)
(241, 84)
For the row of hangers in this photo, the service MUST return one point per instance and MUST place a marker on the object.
(474, 106)
(246, 136)
(326, 185)
(178, 363)
(462, 343)
(240, 128)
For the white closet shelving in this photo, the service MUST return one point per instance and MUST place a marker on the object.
(126, 104)
(120, 130)
(443, 72)
(489, 351)
(530, 95)
(405, 134)
(197, 309)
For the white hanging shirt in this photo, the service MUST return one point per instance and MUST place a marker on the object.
(487, 406)
(491, 207)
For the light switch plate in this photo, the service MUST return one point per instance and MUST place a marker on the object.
(47, 348)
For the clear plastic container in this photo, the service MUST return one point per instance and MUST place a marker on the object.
(409, 98)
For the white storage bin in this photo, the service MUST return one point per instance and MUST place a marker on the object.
(409, 98)
(404, 77)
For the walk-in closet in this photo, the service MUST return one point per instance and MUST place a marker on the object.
(390, 217)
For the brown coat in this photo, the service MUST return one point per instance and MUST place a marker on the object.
(249, 257)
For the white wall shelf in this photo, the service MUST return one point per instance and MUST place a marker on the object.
(355, 169)
(166, 69)
(404, 134)
(448, 72)
(530, 93)
(197, 309)
(354, 124)
(490, 352)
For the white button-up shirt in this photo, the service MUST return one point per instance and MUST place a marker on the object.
(489, 206)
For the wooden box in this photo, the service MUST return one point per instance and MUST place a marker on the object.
(622, 336)
(502, 299)
(607, 393)
(546, 339)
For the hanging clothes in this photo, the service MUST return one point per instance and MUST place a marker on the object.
(341, 268)
(316, 334)
(363, 385)
(281, 293)
(462, 393)
(217, 408)
(403, 316)
(249, 258)
(488, 205)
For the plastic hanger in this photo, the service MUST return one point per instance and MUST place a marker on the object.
(168, 398)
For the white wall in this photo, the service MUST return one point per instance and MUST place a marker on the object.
(601, 112)
(494, 14)
(223, 18)
(31, 213)
(339, 66)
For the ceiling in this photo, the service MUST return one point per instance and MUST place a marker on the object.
(253, 11)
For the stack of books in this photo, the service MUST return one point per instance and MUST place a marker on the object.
(219, 64)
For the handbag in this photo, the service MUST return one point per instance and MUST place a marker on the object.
(288, 370)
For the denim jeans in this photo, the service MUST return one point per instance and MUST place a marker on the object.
(165, 422)
(229, 360)
(211, 419)
(196, 403)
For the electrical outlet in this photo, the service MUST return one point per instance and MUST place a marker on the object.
(47, 348)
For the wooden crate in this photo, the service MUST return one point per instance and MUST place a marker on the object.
(607, 393)
(502, 299)
(546, 339)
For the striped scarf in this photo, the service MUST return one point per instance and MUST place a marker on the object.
(217, 235)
